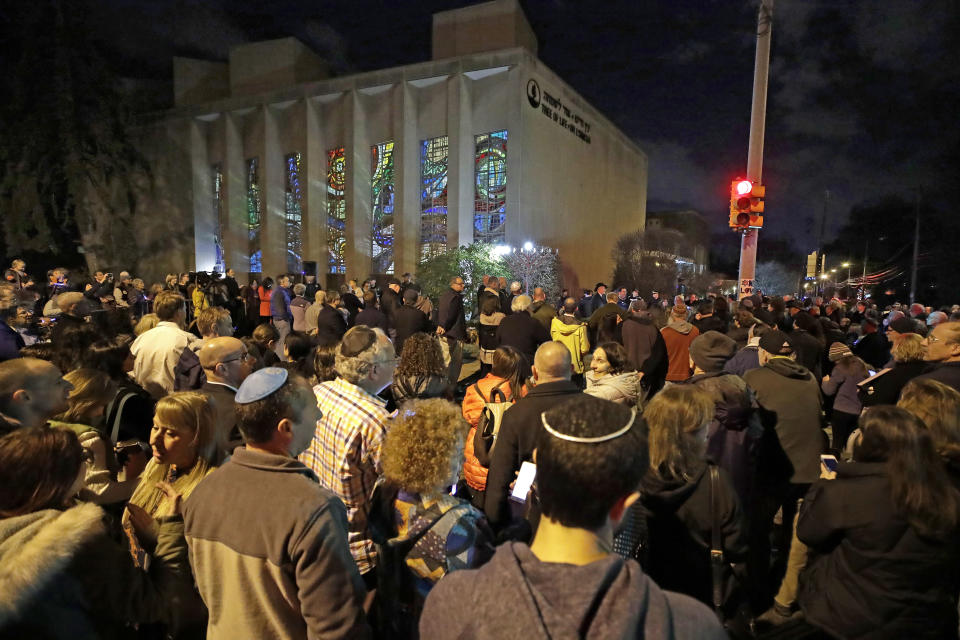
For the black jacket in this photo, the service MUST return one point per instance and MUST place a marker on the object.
(522, 332)
(406, 388)
(353, 306)
(330, 324)
(885, 388)
(372, 317)
(809, 351)
(710, 323)
(407, 321)
(389, 302)
(646, 349)
(679, 527)
(450, 315)
(946, 372)
(873, 577)
(873, 349)
(516, 441)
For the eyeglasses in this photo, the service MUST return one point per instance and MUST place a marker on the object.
(243, 356)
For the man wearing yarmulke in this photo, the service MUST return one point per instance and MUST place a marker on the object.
(268, 544)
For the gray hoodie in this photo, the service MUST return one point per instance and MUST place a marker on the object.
(516, 595)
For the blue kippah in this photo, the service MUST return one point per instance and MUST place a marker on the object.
(260, 384)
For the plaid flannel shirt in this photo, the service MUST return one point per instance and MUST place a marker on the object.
(345, 455)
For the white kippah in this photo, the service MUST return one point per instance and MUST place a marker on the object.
(593, 440)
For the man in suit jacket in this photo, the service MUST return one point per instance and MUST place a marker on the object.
(227, 364)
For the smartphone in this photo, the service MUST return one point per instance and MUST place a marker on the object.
(521, 487)
(830, 462)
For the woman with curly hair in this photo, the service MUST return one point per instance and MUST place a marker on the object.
(420, 373)
(424, 532)
(938, 407)
(611, 375)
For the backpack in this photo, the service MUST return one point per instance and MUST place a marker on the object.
(488, 426)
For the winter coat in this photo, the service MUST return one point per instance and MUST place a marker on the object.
(487, 335)
(622, 388)
(886, 385)
(264, 295)
(473, 472)
(515, 595)
(406, 388)
(298, 307)
(873, 349)
(788, 397)
(646, 350)
(372, 317)
(516, 441)
(408, 320)
(946, 372)
(872, 576)
(63, 577)
(843, 383)
(809, 351)
(390, 301)
(734, 434)
(744, 360)
(710, 323)
(522, 332)
(679, 528)
(330, 324)
(450, 315)
(678, 337)
(543, 313)
(574, 338)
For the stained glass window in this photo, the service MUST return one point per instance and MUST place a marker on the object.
(216, 175)
(381, 197)
(336, 210)
(254, 215)
(293, 198)
(434, 154)
(489, 209)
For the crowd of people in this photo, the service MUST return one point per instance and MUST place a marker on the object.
(203, 459)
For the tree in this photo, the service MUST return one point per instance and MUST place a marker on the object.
(652, 260)
(775, 279)
(537, 267)
(471, 262)
(68, 167)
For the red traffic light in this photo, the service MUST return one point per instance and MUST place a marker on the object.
(744, 187)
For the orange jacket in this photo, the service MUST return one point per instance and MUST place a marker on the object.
(264, 301)
(473, 472)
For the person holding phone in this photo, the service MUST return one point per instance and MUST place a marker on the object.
(883, 533)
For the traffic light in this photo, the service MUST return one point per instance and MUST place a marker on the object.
(746, 203)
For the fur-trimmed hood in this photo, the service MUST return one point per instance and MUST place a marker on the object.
(37, 547)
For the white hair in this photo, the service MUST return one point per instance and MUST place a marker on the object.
(515, 286)
(521, 303)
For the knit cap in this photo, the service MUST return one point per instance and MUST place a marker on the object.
(679, 310)
(838, 350)
(711, 350)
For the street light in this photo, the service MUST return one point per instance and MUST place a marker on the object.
(528, 246)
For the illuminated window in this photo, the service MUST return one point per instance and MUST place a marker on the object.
(216, 174)
(293, 197)
(254, 215)
(336, 211)
(489, 210)
(434, 154)
(381, 198)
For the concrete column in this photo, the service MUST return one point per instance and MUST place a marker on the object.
(518, 225)
(314, 183)
(272, 176)
(204, 217)
(407, 180)
(357, 188)
(460, 170)
(235, 236)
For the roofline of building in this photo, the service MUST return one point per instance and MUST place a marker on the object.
(380, 77)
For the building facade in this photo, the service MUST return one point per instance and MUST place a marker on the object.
(266, 164)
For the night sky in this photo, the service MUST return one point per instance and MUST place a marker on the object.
(863, 96)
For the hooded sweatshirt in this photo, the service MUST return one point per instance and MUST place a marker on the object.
(678, 336)
(789, 405)
(573, 335)
(516, 595)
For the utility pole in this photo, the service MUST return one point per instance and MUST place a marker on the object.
(758, 116)
(863, 279)
(916, 250)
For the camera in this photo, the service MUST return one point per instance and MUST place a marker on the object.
(126, 448)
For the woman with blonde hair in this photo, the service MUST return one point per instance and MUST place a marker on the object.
(679, 492)
(184, 452)
(908, 362)
(92, 392)
(938, 407)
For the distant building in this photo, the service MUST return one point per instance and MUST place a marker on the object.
(271, 165)
(685, 241)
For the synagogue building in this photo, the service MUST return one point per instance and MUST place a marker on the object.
(273, 165)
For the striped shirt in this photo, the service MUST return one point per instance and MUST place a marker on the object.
(345, 455)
